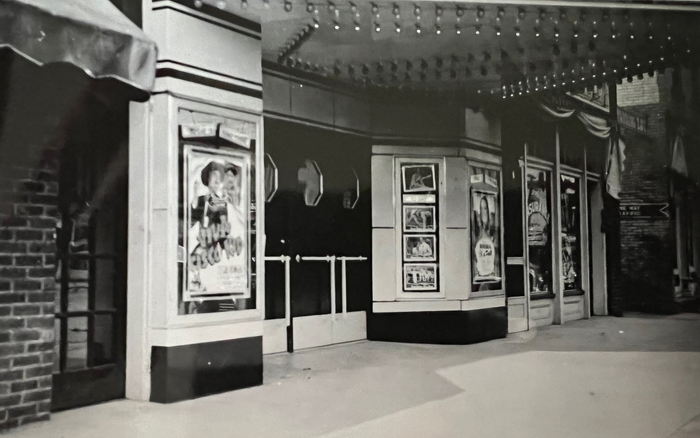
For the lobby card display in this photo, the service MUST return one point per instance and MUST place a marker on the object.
(538, 197)
(419, 248)
(419, 218)
(419, 239)
(418, 178)
(217, 242)
(485, 230)
(420, 277)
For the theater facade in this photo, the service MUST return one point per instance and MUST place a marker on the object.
(302, 174)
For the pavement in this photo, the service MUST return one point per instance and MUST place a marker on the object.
(636, 376)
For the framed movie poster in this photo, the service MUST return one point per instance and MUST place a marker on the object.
(419, 248)
(419, 218)
(217, 202)
(539, 242)
(486, 263)
(485, 228)
(418, 178)
(420, 277)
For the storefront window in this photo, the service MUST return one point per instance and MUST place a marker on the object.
(485, 229)
(570, 233)
(217, 214)
(539, 232)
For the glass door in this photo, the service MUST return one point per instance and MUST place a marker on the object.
(91, 276)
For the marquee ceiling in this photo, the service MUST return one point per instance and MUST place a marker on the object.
(479, 47)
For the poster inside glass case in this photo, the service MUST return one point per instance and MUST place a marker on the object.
(570, 233)
(217, 213)
(217, 240)
(539, 231)
(485, 229)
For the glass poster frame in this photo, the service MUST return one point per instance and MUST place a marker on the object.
(570, 230)
(486, 228)
(231, 142)
(538, 203)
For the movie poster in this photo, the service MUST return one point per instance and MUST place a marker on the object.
(538, 231)
(216, 230)
(485, 239)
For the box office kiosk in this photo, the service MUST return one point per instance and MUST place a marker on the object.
(437, 258)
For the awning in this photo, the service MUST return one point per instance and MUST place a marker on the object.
(93, 35)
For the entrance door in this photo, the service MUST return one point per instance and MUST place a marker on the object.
(596, 242)
(91, 274)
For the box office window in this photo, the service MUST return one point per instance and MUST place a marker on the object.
(217, 214)
(539, 231)
(570, 233)
(484, 189)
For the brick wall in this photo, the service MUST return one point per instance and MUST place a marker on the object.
(647, 246)
(28, 213)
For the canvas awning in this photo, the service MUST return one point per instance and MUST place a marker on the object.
(93, 35)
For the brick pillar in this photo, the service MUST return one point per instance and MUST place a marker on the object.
(28, 212)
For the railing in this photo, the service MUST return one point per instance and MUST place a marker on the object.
(287, 285)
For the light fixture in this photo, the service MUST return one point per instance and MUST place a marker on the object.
(288, 6)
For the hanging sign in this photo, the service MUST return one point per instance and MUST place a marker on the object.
(645, 210)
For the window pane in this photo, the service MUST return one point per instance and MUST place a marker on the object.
(103, 339)
(57, 345)
(104, 271)
(539, 231)
(78, 284)
(76, 351)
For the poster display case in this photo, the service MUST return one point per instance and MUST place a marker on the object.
(420, 237)
(539, 231)
(570, 193)
(486, 229)
(217, 205)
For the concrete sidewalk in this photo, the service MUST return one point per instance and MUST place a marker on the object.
(637, 376)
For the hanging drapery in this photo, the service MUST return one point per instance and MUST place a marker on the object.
(600, 128)
(678, 159)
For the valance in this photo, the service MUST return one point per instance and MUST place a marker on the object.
(600, 128)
